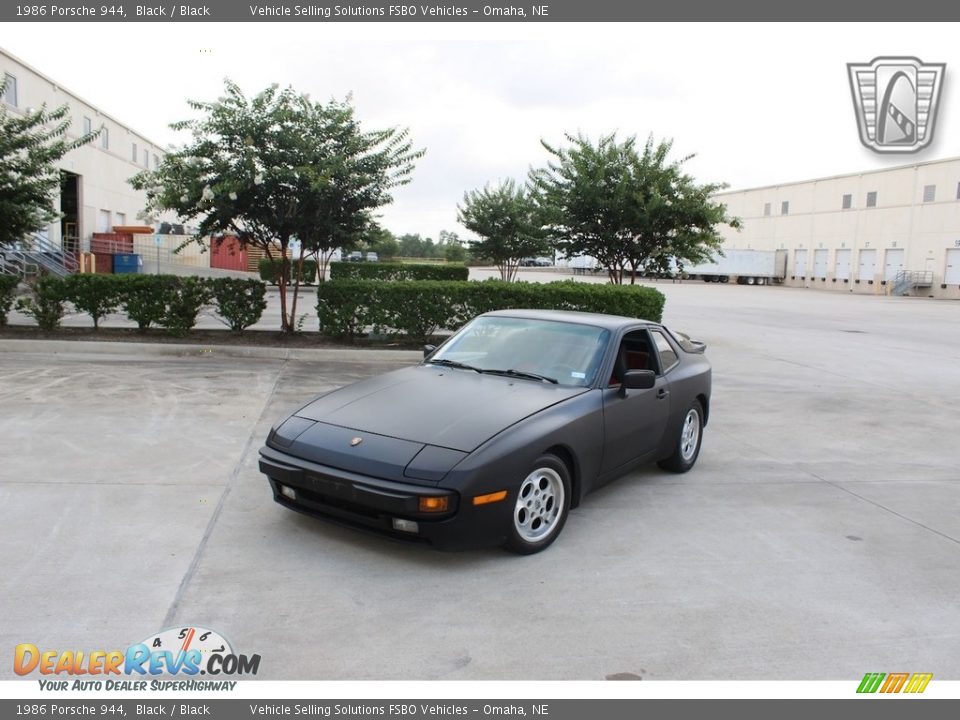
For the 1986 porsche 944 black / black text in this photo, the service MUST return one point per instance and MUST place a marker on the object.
(498, 432)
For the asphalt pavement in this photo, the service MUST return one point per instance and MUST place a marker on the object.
(817, 538)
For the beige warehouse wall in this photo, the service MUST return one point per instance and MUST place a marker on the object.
(104, 172)
(924, 231)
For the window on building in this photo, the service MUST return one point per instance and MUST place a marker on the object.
(929, 193)
(105, 138)
(766, 209)
(87, 125)
(146, 158)
(958, 191)
(847, 202)
(785, 207)
(133, 154)
(121, 218)
(10, 90)
(156, 162)
(872, 199)
(103, 221)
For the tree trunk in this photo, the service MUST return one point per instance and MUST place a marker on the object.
(296, 290)
(282, 285)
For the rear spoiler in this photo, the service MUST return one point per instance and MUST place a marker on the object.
(690, 346)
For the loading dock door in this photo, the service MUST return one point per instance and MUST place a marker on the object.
(952, 275)
(894, 264)
(868, 264)
(800, 263)
(819, 263)
(843, 265)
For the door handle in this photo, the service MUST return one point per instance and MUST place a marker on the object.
(662, 393)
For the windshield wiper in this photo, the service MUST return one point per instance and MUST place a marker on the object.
(454, 364)
(522, 374)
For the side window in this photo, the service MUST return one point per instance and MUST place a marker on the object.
(633, 354)
(668, 356)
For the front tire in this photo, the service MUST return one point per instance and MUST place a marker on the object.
(687, 448)
(541, 507)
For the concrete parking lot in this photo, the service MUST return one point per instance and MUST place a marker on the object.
(817, 538)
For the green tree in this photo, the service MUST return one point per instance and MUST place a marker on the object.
(30, 146)
(629, 208)
(508, 221)
(411, 245)
(279, 166)
(381, 241)
(451, 246)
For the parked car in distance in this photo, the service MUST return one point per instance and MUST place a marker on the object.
(499, 432)
(372, 257)
(355, 256)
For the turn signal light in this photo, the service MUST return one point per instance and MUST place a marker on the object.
(490, 498)
(434, 504)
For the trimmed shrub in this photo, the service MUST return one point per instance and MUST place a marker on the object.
(396, 271)
(45, 303)
(270, 270)
(144, 298)
(239, 301)
(96, 295)
(185, 298)
(420, 308)
(8, 290)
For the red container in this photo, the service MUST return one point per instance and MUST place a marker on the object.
(226, 253)
(104, 262)
(112, 243)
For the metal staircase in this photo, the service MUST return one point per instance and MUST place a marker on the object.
(907, 281)
(35, 253)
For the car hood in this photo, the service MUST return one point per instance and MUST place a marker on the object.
(433, 405)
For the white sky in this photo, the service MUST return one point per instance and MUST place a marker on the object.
(759, 104)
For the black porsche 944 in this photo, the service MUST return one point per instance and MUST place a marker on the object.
(499, 432)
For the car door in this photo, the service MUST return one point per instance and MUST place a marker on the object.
(633, 420)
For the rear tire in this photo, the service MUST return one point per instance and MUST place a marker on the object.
(541, 506)
(687, 447)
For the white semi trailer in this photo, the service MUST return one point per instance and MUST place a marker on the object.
(746, 267)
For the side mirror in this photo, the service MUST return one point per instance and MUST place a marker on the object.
(428, 350)
(639, 379)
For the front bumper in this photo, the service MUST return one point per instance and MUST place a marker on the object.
(373, 504)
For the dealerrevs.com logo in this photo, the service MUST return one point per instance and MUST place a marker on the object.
(184, 651)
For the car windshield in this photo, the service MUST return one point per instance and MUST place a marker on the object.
(539, 350)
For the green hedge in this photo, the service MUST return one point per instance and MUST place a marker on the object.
(396, 271)
(8, 290)
(168, 301)
(420, 308)
(270, 270)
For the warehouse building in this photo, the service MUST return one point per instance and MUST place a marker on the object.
(95, 193)
(895, 230)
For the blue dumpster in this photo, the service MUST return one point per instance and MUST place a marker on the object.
(126, 263)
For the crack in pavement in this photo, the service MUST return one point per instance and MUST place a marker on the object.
(211, 523)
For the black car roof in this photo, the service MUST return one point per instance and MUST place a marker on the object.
(609, 322)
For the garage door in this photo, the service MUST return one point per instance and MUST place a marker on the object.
(893, 264)
(820, 263)
(800, 263)
(868, 265)
(952, 275)
(843, 265)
